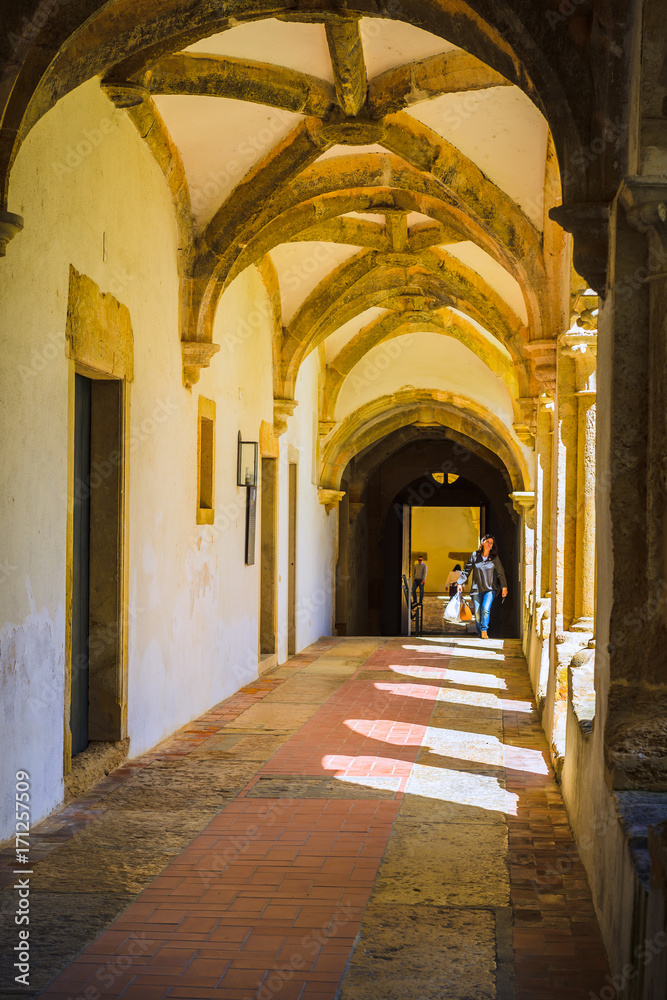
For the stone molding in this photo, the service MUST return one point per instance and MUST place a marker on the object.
(99, 329)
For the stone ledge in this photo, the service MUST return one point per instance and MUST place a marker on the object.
(581, 689)
(638, 813)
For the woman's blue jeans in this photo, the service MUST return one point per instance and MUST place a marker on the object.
(482, 604)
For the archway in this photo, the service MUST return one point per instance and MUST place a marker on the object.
(399, 471)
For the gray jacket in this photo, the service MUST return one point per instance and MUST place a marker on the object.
(487, 574)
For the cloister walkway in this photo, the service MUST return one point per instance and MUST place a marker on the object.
(374, 819)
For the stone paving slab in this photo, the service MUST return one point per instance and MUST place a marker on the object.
(423, 953)
(414, 835)
(459, 867)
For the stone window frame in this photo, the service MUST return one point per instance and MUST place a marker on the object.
(206, 411)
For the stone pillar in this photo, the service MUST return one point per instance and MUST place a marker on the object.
(581, 345)
(631, 666)
(564, 506)
(524, 505)
(564, 641)
(543, 484)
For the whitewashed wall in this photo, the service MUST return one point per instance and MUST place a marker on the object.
(194, 605)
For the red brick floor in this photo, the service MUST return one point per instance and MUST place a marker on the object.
(266, 902)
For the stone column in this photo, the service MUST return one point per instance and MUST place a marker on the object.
(564, 642)
(524, 505)
(581, 346)
(544, 449)
(631, 666)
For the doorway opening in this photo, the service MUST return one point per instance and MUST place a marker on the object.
(97, 697)
(268, 566)
(291, 562)
(444, 537)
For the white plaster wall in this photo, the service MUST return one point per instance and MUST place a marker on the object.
(70, 183)
(195, 639)
(194, 605)
(425, 361)
(316, 530)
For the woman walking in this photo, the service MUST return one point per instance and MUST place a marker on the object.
(488, 577)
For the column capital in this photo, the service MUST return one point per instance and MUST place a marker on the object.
(581, 345)
(524, 503)
(645, 202)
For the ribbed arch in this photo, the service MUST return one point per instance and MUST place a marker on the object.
(375, 420)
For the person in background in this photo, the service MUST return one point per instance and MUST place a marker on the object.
(450, 582)
(418, 578)
(488, 577)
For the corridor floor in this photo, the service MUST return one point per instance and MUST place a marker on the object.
(374, 819)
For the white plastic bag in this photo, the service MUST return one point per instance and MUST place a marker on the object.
(453, 610)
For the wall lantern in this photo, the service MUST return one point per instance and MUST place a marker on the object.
(246, 465)
(246, 475)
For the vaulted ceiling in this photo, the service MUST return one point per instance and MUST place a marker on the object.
(391, 186)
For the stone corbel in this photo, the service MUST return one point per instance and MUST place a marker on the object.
(589, 224)
(524, 504)
(543, 353)
(125, 94)
(355, 509)
(196, 354)
(329, 498)
(525, 427)
(282, 410)
(325, 427)
(10, 225)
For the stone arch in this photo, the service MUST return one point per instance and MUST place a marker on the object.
(381, 416)
(362, 280)
(396, 324)
(58, 54)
